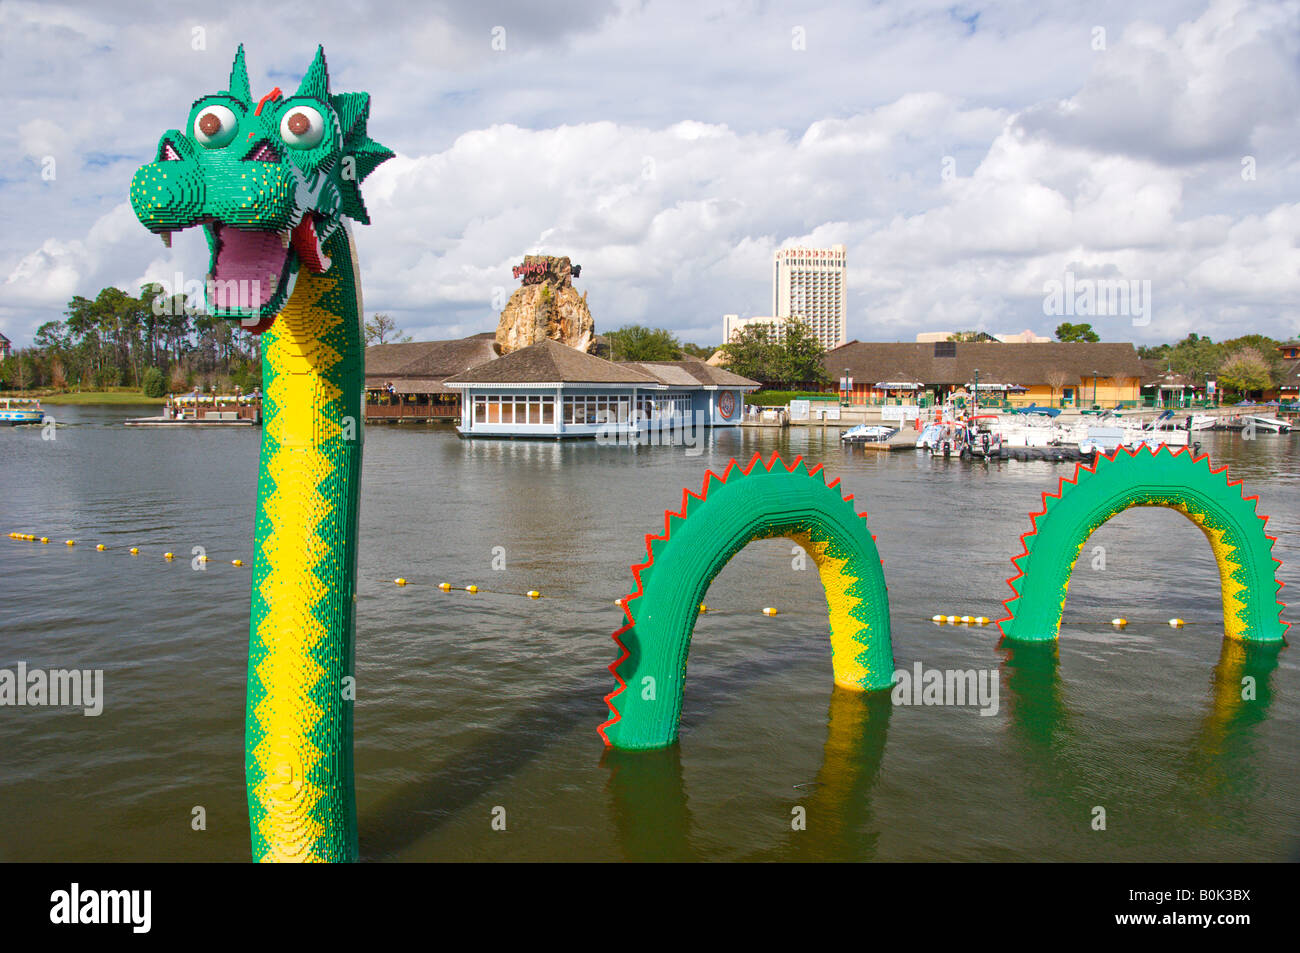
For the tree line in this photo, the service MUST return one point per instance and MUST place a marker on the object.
(156, 342)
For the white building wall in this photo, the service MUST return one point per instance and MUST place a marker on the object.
(811, 283)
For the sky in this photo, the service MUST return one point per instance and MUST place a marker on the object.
(971, 157)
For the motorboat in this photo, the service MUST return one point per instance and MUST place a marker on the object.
(20, 410)
(868, 433)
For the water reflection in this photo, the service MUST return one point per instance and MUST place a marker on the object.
(652, 816)
(1216, 766)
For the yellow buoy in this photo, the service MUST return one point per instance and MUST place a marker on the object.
(70, 542)
(169, 555)
(471, 588)
(981, 620)
(399, 581)
(967, 619)
(534, 594)
(769, 611)
(135, 550)
(703, 607)
(1177, 623)
(952, 620)
(236, 562)
(1119, 623)
(45, 539)
(937, 618)
(101, 547)
(445, 586)
(619, 603)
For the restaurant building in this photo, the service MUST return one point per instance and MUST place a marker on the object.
(550, 390)
(406, 382)
(1052, 374)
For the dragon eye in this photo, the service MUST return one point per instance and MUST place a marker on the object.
(215, 126)
(302, 127)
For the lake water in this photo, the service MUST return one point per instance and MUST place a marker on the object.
(468, 702)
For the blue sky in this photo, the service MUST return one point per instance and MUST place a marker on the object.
(965, 154)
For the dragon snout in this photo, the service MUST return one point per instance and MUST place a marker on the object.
(169, 193)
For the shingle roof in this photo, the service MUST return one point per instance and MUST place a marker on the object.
(550, 361)
(1026, 364)
(691, 372)
(428, 360)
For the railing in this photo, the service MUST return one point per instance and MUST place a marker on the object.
(411, 411)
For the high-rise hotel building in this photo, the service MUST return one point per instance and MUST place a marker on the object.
(810, 283)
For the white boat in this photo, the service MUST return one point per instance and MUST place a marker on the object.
(929, 436)
(1264, 424)
(20, 410)
(1204, 421)
(868, 433)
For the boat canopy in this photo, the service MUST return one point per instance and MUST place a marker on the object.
(1035, 409)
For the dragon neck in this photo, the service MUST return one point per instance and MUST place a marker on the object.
(298, 725)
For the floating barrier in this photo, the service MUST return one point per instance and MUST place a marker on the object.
(769, 611)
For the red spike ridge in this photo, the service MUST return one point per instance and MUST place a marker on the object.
(615, 715)
(669, 515)
(816, 470)
(790, 467)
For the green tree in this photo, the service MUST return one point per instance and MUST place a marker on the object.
(1065, 331)
(800, 356)
(634, 342)
(753, 352)
(697, 350)
(1244, 370)
(155, 382)
(381, 329)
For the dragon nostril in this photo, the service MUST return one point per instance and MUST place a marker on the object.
(263, 152)
(169, 153)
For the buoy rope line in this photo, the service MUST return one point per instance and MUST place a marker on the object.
(956, 619)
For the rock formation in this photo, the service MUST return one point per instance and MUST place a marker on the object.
(546, 305)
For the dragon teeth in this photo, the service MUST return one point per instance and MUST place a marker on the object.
(166, 238)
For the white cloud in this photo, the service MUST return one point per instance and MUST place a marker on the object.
(671, 152)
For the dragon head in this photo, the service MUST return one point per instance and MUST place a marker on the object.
(269, 180)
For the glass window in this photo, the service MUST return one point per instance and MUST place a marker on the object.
(480, 409)
(548, 410)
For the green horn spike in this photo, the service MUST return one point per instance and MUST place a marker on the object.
(239, 86)
(317, 81)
